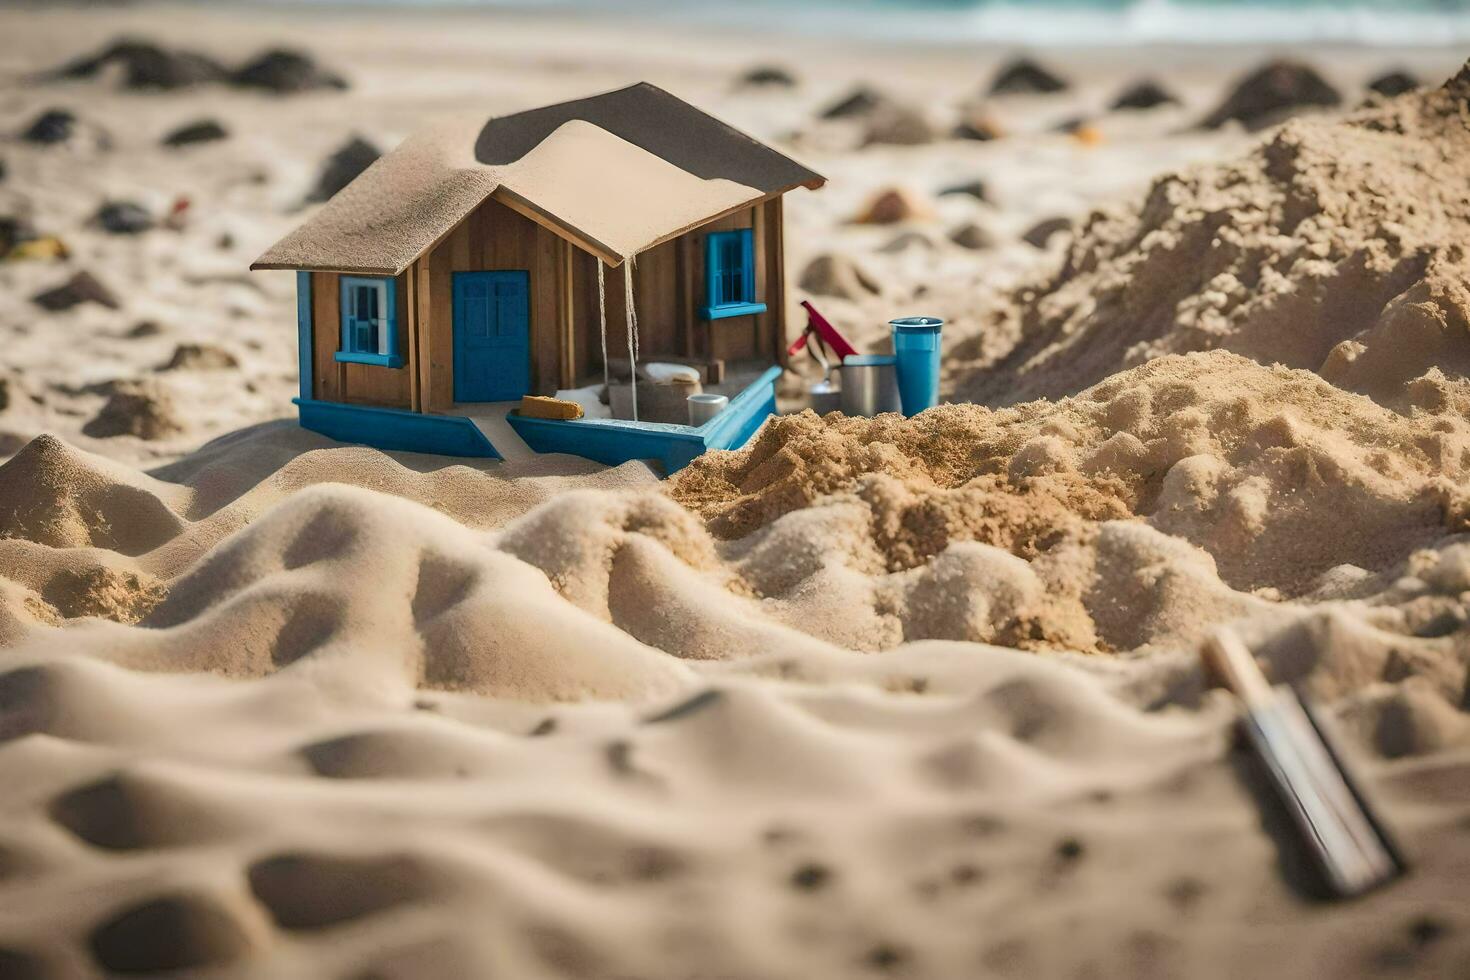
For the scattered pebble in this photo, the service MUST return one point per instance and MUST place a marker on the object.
(970, 188)
(80, 288)
(810, 877)
(898, 125)
(1425, 929)
(202, 131)
(143, 329)
(284, 71)
(972, 236)
(51, 126)
(887, 956)
(545, 727)
(975, 125)
(15, 229)
(1041, 233)
(342, 167)
(767, 76)
(1145, 94)
(146, 65)
(123, 218)
(905, 241)
(1271, 92)
(859, 102)
(1026, 77)
(1394, 83)
(891, 206)
(1070, 849)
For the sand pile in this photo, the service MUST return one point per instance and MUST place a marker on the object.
(1337, 246)
(1279, 476)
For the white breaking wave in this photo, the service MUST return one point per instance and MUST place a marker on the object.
(1066, 23)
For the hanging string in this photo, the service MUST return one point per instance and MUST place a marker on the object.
(632, 318)
(602, 325)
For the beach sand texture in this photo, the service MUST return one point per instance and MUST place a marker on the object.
(870, 697)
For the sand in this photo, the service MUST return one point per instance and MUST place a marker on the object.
(870, 697)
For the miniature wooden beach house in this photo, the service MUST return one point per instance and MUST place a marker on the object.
(485, 260)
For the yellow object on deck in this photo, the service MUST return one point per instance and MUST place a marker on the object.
(542, 407)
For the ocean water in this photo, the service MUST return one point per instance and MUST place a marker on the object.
(1042, 23)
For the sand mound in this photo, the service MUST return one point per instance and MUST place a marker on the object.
(1279, 476)
(1336, 246)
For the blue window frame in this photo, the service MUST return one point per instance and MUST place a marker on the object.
(369, 321)
(729, 274)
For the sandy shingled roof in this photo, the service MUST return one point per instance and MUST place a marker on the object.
(615, 173)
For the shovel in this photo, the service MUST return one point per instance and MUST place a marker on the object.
(1333, 820)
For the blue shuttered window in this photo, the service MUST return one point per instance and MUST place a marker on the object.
(369, 321)
(729, 274)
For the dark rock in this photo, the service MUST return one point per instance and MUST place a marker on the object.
(973, 188)
(284, 70)
(976, 126)
(143, 329)
(1070, 849)
(1024, 76)
(203, 131)
(80, 288)
(767, 76)
(1041, 233)
(861, 101)
(905, 241)
(1394, 83)
(1145, 94)
(1271, 93)
(1071, 125)
(810, 877)
(887, 956)
(200, 357)
(51, 126)
(15, 229)
(972, 236)
(342, 167)
(147, 66)
(123, 218)
(4, 170)
(898, 125)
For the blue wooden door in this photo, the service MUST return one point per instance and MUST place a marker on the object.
(492, 336)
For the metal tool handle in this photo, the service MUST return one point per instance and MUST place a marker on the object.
(1233, 665)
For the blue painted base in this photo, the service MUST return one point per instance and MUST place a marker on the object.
(608, 441)
(614, 441)
(396, 430)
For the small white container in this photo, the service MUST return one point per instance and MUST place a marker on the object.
(705, 406)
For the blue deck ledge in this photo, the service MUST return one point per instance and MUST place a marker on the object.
(607, 441)
(615, 441)
(395, 429)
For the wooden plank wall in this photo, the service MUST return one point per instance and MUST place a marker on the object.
(566, 348)
(669, 289)
(357, 384)
(492, 238)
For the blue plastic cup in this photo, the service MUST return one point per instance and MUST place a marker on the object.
(916, 345)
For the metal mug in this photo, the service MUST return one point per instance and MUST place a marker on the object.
(869, 384)
(705, 406)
